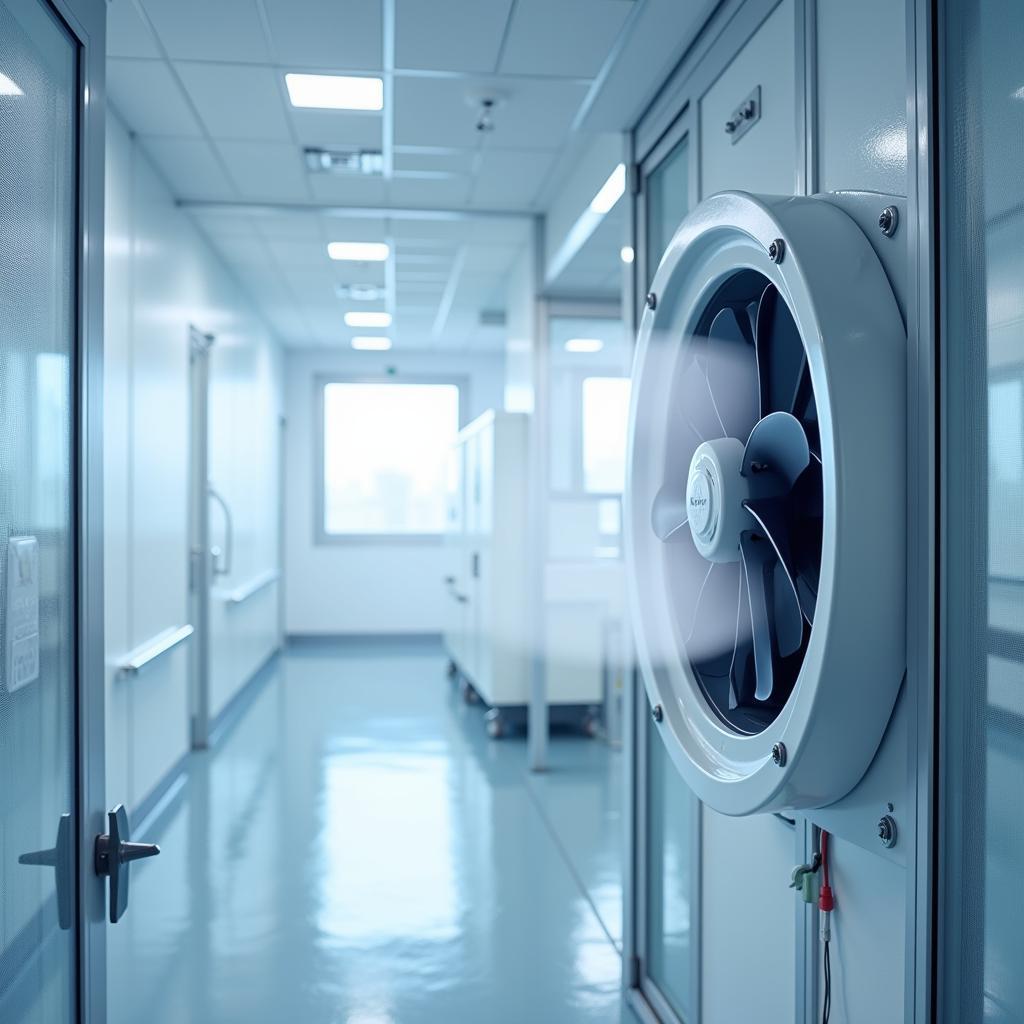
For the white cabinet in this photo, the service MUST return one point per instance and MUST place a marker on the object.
(486, 547)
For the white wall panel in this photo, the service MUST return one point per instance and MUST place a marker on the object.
(363, 587)
(163, 277)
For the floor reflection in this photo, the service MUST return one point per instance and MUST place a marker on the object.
(356, 851)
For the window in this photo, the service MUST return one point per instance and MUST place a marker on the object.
(605, 421)
(385, 457)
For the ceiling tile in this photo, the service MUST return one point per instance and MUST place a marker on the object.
(429, 192)
(326, 34)
(532, 114)
(357, 191)
(191, 168)
(228, 30)
(455, 161)
(127, 34)
(269, 171)
(450, 35)
(510, 179)
(237, 102)
(334, 128)
(146, 95)
(571, 38)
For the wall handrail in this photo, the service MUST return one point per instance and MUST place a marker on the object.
(148, 652)
(247, 590)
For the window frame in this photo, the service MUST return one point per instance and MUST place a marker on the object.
(321, 538)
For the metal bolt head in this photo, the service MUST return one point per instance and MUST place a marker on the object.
(779, 754)
(776, 250)
(888, 220)
(887, 831)
(657, 713)
(652, 300)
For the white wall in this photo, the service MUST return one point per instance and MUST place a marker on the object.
(161, 276)
(364, 587)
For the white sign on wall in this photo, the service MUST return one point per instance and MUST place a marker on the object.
(22, 612)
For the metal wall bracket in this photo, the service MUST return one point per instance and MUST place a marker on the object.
(745, 116)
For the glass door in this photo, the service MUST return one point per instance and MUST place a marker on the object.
(982, 615)
(38, 69)
(667, 857)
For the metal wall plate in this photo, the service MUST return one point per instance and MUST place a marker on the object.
(745, 116)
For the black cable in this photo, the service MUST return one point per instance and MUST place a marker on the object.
(826, 1005)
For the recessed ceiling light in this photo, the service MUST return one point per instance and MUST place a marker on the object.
(611, 191)
(584, 345)
(370, 252)
(626, 254)
(359, 292)
(8, 87)
(335, 92)
(371, 343)
(368, 319)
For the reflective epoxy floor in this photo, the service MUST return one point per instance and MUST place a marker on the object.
(356, 851)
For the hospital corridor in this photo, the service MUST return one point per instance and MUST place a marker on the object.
(511, 511)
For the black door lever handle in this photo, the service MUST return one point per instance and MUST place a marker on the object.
(113, 856)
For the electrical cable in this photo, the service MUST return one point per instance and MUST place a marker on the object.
(826, 903)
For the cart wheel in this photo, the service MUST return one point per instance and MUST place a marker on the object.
(468, 693)
(495, 724)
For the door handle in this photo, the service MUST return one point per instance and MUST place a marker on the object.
(223, 568)
(58, 858)
(113, 857)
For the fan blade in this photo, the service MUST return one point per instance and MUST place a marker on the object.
(772, 518)
(756, 564)
(805, 410)
(732, 372)
(777, 446)
(806, 500)
(668, 514)
(711, 640)
(693, 395)
(780, 352)
(741, 648)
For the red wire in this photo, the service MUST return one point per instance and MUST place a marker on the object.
(824, 854)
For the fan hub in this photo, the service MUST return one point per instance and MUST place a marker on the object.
(715, 492)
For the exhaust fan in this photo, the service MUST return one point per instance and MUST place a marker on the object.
(765, 501)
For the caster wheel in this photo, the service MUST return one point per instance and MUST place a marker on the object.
(495, 724)
(468, 693)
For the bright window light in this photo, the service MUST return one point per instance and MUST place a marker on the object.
(335, 92)
(605, 419)
(386, 452)
(626, 254)
(611, 191)
(584, 345)
(371, 343)
(8, 87)
(368, 319)
(364, 252)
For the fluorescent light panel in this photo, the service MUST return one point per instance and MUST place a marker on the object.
(8, 87)
(363, 252)
(371, 343)
(335, 92)
(584, 345)
(611, 191)
(368, 319)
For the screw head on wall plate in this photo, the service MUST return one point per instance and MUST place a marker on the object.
(776, 250)
(652, 300)
(657, 713)
(887, 831)
(779, 754)
(888, 220)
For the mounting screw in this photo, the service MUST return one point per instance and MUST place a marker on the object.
(779, 754)
(887, 830)
(656, 713)
(777, 250)
(888, 220)
(652, 300)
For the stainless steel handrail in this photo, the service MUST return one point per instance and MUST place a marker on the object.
(254, 586)
(149, 652)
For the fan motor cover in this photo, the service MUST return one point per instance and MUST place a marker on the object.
(765, 501)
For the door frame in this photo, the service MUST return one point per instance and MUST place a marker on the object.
(85, 20)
